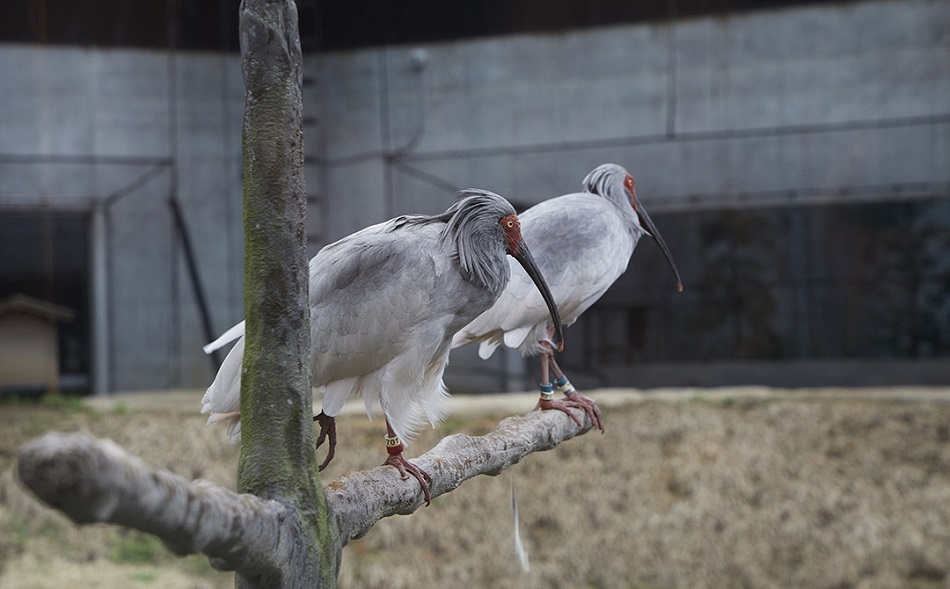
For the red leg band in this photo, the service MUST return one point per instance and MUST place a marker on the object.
(394, 450)
(393, 445)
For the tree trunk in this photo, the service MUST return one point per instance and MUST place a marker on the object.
(278, 459)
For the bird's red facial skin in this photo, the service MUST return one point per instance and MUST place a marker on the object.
(511, 224)
(632, 189)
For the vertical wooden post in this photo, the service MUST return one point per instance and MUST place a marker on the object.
(278, 459)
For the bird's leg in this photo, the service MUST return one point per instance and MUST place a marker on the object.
(327, 432)
(394, 448)
(586, 403)
(547, 400)
(572, 398)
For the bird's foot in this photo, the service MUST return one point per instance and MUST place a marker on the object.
(589, 406)
(328, 434)
(586, 403)
(572, 400)
(394, 447)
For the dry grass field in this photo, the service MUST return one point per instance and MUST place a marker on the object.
(722, 488)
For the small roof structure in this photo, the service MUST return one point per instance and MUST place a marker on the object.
(29, 343)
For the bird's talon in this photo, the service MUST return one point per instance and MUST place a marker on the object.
(590, 407)
(328, 434)
(575, 401)
(563, 406)
(407, 469)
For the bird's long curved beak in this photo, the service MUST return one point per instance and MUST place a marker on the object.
(645, 218)
(524, 257)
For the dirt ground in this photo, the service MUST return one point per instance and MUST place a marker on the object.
(721, 488)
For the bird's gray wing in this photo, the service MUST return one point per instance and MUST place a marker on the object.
(370, 294)
(383, 308)
(580, 246)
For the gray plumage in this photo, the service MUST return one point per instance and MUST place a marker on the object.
(582, 243)
(384, 303)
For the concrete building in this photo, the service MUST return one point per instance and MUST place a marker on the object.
(795, 159)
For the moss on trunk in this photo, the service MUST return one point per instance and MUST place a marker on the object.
(278, 460)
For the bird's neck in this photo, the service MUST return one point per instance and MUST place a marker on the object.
(482, 261)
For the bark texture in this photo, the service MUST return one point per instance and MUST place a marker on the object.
(277, 460)
(93, 480)
(360, 499)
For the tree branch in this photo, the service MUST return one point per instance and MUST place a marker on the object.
(358, 500)
(93, 480)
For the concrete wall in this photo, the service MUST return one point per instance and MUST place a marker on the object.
(821, 104)
(773, 105)
(126, 130)
(806, 104)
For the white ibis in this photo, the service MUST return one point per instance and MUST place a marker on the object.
(384, 304)
(583, 242)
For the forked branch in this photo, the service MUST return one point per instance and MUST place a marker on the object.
(358, 500)
(94, 480)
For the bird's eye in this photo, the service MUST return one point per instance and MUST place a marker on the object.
(510, 224)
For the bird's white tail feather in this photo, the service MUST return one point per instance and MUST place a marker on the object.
(515, 337)
(487, 348)
(228, 336)
(223, 398)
